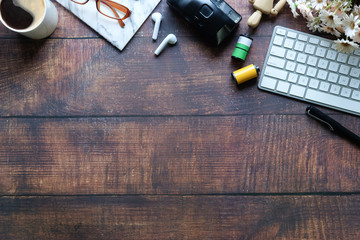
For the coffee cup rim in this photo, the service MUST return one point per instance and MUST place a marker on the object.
(26, 29)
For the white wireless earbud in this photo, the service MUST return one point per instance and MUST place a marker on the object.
(156, 17)
(171, 38)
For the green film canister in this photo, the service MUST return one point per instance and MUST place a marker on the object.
(242, 47)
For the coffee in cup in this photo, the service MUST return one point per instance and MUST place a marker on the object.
(32, 18)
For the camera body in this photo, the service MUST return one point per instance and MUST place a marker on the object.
(215, 19)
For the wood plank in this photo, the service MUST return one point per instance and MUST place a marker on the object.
(82, 77)
(176, 155)
(180, 217)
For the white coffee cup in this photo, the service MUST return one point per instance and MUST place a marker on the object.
(45, 23)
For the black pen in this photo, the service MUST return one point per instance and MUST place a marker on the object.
(332, 124)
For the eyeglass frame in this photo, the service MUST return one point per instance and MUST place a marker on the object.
(112, 5)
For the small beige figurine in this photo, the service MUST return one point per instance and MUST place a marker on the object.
(264, 7)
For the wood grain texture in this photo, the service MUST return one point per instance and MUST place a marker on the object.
(101, 144)
(74, 73)
(180, 217)
(70, 26)
(85, 77)
(175, 155)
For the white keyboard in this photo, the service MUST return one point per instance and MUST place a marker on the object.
(308, 68)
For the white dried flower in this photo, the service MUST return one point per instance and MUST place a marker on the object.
(356, 38)
(329, 19)
(330, 30)
(337, 17)
(356, 10)
(318, 4)
(292, 8)
(305, 11)
(336, 9)
(350, 25)
(343, 4)
(313, 25)
(345, 46)
(298, 2)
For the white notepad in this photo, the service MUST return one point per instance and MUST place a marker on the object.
(109, 28)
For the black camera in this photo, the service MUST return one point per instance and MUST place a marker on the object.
(215, 19)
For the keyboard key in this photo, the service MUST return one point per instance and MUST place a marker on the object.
(281, 31)
(357, 52)
(344, 69)
(322, 74)
(345, 92)
(301, 58)
(299, 46)
(334, 66)
(312, 60)
(311, 72)
(344, 80)
(275, 73)
(353, 60)
(354, 83)
(323, 63)
(268, 83)
(325, 43)
(297, 91)
(291, 34)
(355, 72)
(276, 62)
(314, 83)
(283, 86)
(342, 57)
(290, 55)
(335, 89)
(290, 66)
(331, 55)
(314, 40)
(301, 69)
(289, 43)
(303, 80)
(310, 49)
(333, 77)
(277, 51)
(302, 37)
(331, 100)
(320, 52)
(324, 86)
(292, 77)
(278, 40)
(356, 95)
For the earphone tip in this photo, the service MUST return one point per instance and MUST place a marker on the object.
(156, 15)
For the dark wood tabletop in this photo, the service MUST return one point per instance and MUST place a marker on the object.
(101, 144)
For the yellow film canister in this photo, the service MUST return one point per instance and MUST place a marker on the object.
(246, 73)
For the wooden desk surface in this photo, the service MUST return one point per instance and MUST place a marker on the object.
(101, 144)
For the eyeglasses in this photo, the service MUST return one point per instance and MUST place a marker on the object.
(109, 9)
